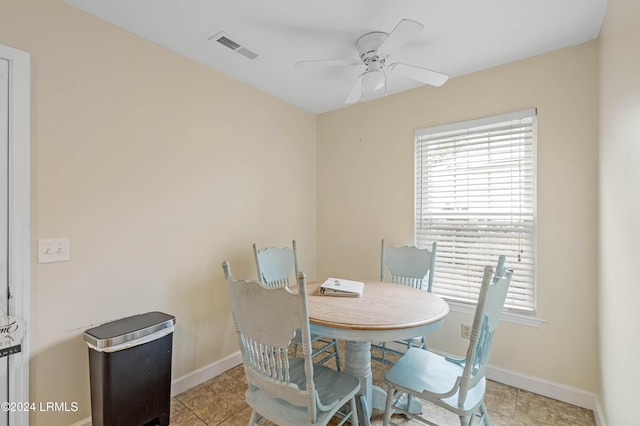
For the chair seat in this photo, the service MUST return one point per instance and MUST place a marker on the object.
(334, 389)
(425, 373)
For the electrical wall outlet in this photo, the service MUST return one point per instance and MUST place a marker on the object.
(53, 250)
(465, 331)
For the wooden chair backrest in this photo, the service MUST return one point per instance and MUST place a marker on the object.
(275, 265)
(408, 265)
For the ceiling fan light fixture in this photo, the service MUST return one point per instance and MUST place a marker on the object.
(373, 84)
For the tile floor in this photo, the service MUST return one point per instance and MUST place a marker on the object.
(220, 401)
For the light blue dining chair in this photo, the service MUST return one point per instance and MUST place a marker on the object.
(457, 385)
(285, 390)
(274, 266)
(408, 266)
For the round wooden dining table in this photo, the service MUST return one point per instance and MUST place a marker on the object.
(385, 312)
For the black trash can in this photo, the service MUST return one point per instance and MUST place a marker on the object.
(130, 370)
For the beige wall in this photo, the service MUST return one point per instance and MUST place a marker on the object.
(157, 169)
(365, 193)
(619, 212)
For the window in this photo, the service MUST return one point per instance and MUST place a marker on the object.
(475, 197)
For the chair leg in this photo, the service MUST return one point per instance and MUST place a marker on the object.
(386, 421)
(335, 348)
(354, 412)
(484, 418)
(410, 398)
(254, 418)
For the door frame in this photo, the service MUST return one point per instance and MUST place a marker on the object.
(19, 249)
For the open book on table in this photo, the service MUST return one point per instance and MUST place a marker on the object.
(341, 287)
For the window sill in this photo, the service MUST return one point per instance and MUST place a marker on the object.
(507, 316)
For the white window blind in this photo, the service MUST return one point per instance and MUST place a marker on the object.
(475, 196)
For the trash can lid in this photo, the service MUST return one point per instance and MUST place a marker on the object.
(128, 329)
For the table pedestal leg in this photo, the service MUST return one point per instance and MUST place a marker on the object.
(358, 363)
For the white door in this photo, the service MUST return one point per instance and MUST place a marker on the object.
(14, 235)
(4, 299)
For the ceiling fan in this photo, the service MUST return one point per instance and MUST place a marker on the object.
(374, 49)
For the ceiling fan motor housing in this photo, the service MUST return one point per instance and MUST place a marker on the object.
(368, 46)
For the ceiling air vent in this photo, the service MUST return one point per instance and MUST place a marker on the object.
(226, 40)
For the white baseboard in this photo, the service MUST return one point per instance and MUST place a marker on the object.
(201, 375)
(564, 393)
(598, 413)
(84, 422)
(560, 392)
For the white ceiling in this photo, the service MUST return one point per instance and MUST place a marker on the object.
(460, 36)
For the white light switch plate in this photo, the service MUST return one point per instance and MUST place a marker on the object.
(53, 250)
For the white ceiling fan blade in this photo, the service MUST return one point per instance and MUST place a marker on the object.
(356, 91)
(401, 35)
(328, 63)
(419, 74)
